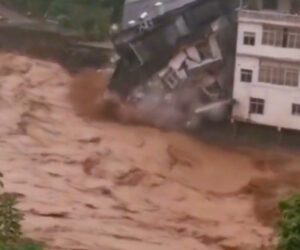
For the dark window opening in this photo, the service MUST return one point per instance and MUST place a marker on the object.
(296, 109)
(257, 106)
(285, 38)
(249, 38)
(246, 75)
(270, 4)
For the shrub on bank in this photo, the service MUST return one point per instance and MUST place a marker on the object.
(25, 245)
(10, 225)
(289, 225)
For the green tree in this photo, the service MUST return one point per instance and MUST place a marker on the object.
(10, 225)
(10, 220)
(92, 18)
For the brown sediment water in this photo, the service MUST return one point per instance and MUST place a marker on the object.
(86, 91)
(90, 184)
(90, 98)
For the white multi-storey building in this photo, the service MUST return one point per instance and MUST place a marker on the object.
(267, 70)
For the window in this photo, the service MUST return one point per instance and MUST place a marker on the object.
(257, 106)
(270, 4)
(293, 38)
(273, 36)
(281, 36)
(291, 77)
(246, 75)
(249, 38)
(279, 73)
(296, 109)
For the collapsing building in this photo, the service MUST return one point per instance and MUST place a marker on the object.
(177, 57)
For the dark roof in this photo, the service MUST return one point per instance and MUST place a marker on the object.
(134, 8)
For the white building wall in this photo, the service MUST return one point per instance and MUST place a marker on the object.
(278, 99)
(262, 50)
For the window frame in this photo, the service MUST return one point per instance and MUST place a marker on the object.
(272, 36)
(293, 79)
(279, 73)
(295, 109)
(293, 39)
(256, 106)
(284, 37)
(249, 38)
(246, 75)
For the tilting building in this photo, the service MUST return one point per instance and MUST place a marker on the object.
(182, 50)
(267, 69)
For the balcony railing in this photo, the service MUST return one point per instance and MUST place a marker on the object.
(269, 16)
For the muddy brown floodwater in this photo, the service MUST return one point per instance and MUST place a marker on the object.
(91, 184)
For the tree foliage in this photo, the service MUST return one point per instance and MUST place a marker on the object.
(10, 224)
(289, 226)
(90, 17)
(10, 219)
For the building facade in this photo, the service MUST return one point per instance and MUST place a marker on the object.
(267, 69)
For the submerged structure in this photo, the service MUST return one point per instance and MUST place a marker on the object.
(177, 55)
(267, 72)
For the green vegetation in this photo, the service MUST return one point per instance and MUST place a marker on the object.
(92, 18)
(10, 225)
(23, 245)
(10, 218)
(289, 226)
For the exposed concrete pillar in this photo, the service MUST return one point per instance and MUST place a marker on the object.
(160, 8)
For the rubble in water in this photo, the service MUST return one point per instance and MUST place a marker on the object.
(90, 184)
